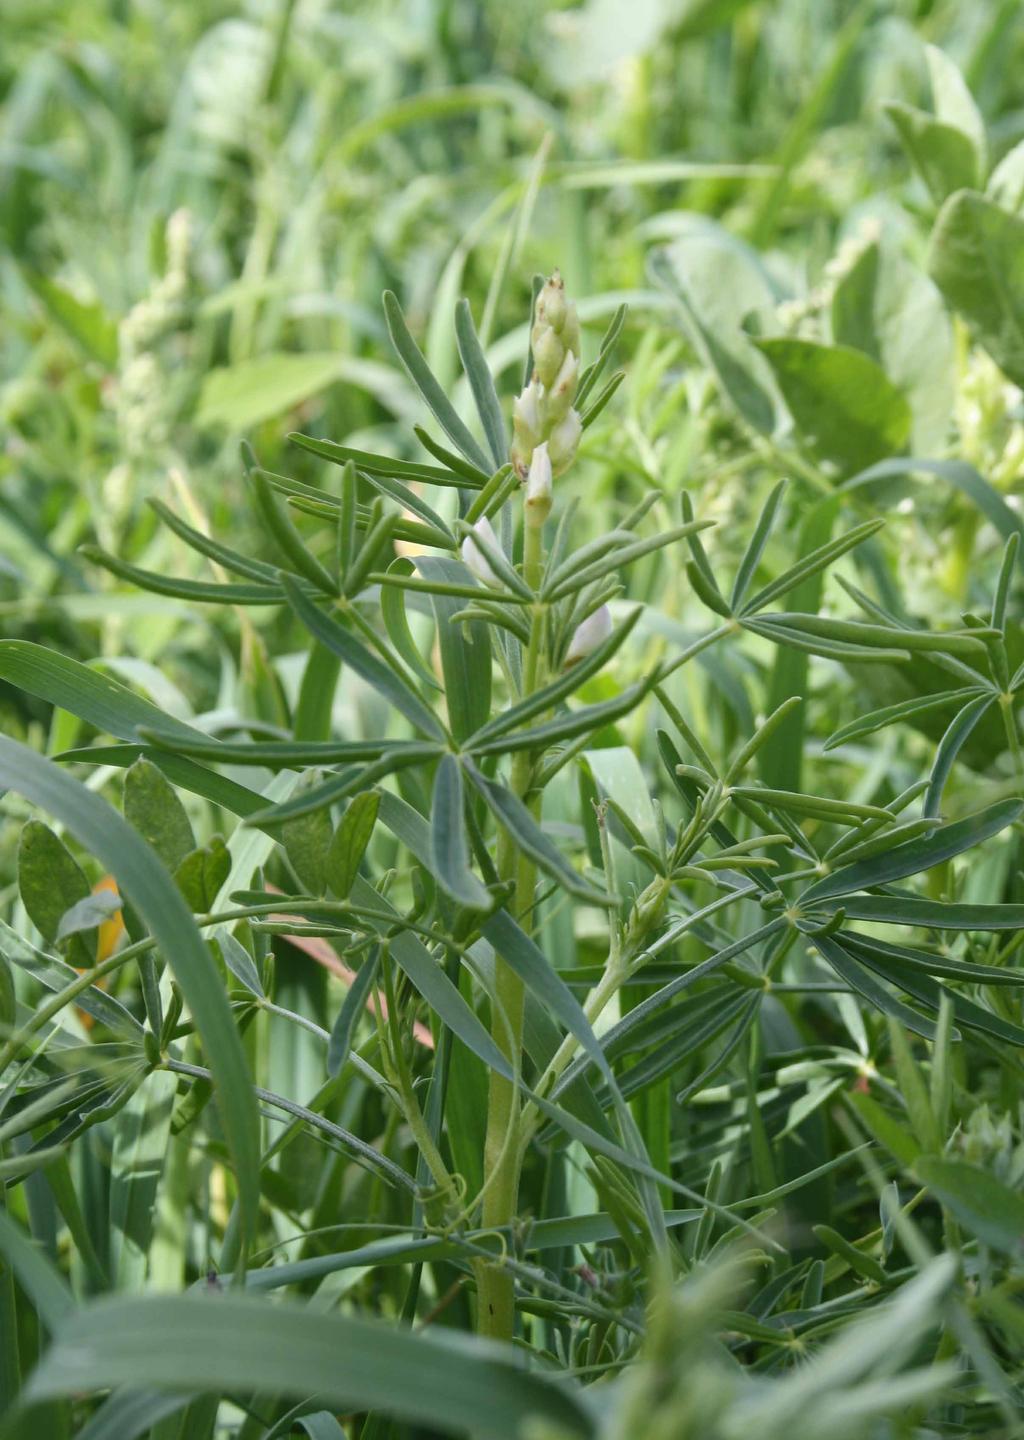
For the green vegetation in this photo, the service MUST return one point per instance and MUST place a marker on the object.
(512, 839)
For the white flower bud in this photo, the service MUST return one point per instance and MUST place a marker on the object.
(474, 558)
(526, 425)
(552, 306)
(593, 632)
(538, 487)
(526, 411)
(563, 391)
(564, 442)
(548, 354)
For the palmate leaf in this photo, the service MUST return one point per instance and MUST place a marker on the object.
(240, 1343)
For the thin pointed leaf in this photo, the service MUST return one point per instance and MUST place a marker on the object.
(419, 372)
(481, 383)
(916, 855)
(950, 745)
(353, 653)
(448, 842)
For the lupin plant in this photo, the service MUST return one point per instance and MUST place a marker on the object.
(420, 855)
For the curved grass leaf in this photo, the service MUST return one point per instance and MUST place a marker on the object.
(142, 879)
(98, 699)
(229, 1343)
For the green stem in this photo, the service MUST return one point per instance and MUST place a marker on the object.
(495, 1284)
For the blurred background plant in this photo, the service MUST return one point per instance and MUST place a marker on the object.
(199, 208)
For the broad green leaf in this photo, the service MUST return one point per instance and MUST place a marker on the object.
(143, 881)
(37, 1275)
(1006, 183)
(846, 409)
(88, 914)
(976, 257)
(350, 841)
(941, 153)
(718, 282)
(241, 1343)
(202, 873)
(51, 882)
(86, 321)
(885, 306)
(307, 841)
(954, 103)
(982, 1203)
(152, 807)
(141, 1134)
(244, 395)
(97, 699)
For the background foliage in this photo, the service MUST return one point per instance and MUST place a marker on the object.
(801, 1209)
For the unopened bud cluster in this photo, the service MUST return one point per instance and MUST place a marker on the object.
(543, 413)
